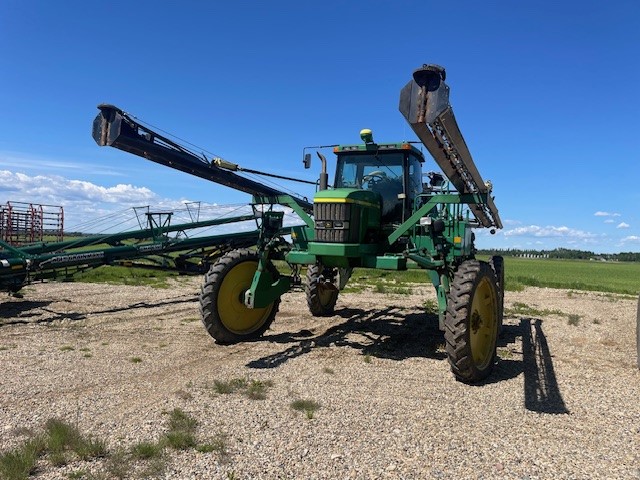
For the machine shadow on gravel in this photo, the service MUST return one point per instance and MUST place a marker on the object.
(541, 389)
(398, 333)
(36, 312)
(394, 333)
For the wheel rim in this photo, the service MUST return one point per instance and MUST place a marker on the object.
(482, 324)
(234, 314)
(325, 293)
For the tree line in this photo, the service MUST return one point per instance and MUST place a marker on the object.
(564, 253)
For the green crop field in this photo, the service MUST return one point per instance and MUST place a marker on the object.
(616, 277)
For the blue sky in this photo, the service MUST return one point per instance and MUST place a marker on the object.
(545, 93)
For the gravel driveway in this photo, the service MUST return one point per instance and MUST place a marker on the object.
(113, 360)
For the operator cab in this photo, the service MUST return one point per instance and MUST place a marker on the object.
(391, 170)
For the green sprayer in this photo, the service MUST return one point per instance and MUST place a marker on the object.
(381, 212)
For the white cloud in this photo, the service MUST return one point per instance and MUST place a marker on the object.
(512, 222)
(631, 239)
(606, 214)
(549, 232)
(94, 208)
(623, 225)
(609, 220)
(54, 189)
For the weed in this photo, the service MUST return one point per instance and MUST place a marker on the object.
(182, 427)
(116, 275)
(380, 288)
(104, 344)
(58, 440)
(77, 474)
(596, 321)
(163, 345)
(401, 290)
(62, 437)
(309, 407)
(85, 349)
(218, 445)
(431, 307)
(191, 319)
(19, 463)
(146, 450)
(230, 386)
(257, 390)
(328, 370)
(367, 358)
(353, 289)
(180, 440)
(254, 389)
(66, 348)
(570, 294)
(574, 319)
(179, 420)
(155, 468)
(135, 360)
(524, 309)
(118, 465)
(87, 355)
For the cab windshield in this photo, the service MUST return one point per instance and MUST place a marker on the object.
(365, 171)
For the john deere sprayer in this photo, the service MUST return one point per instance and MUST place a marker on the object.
(380, 212)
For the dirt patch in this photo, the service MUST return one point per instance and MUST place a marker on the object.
(562, 400)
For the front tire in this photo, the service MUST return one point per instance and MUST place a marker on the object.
(223, 312)
(471, 321)
(321, 290)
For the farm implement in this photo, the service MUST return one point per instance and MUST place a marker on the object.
(378, 213)
(24, 264)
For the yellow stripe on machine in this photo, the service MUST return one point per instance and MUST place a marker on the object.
(346, 200)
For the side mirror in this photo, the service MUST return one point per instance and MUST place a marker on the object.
(307, 160)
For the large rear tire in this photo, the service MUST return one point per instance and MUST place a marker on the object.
(223, 312)
(471, 321)
(321, 290)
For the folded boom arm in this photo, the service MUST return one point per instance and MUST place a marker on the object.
(115, 128)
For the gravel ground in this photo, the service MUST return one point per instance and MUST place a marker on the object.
(562, 401)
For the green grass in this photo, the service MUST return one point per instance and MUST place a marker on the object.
(575, 275)
(309, 407)
(182, 428)
(613, 277)
(253, 389)
(147, 450)
(60, 443)
(20, 462)
(522, 309)
(116, 275)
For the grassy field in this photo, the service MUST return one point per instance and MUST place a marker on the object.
(126, 276)
(614, 277)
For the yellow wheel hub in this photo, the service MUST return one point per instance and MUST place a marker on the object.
(326, 293)
(235, 316)
(482, 324)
